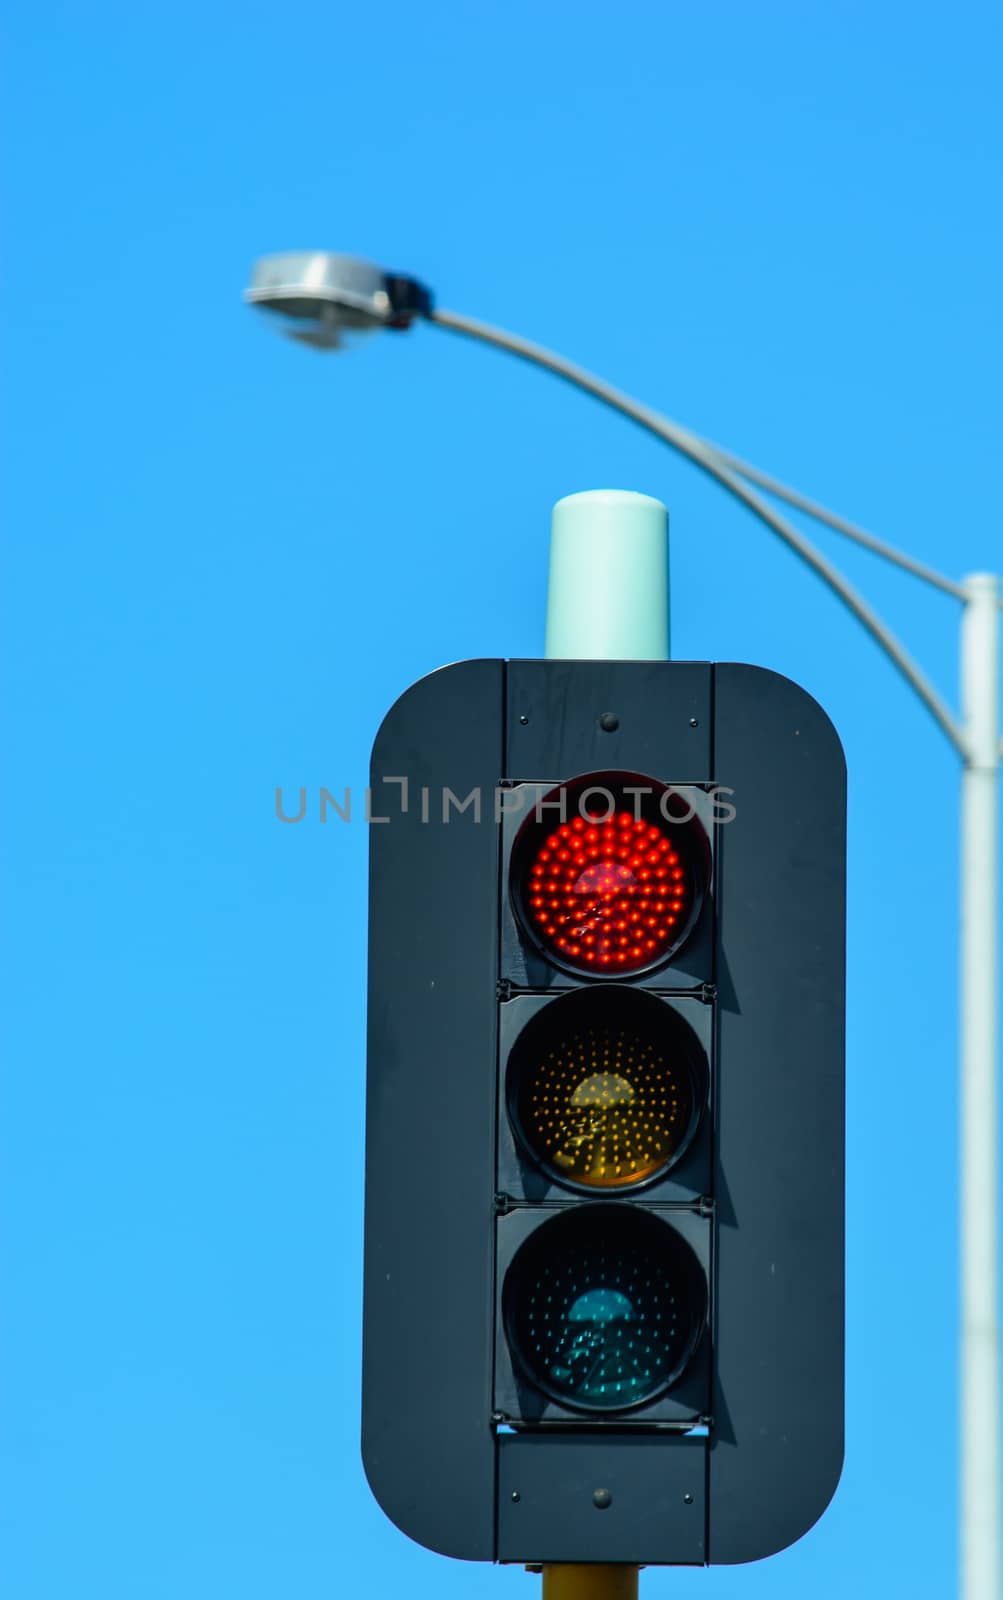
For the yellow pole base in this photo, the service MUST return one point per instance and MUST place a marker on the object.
(564, 1581)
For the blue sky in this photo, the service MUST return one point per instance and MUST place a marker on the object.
(226, 556)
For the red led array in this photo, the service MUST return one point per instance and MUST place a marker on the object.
(608, 895)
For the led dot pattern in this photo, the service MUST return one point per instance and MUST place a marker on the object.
(608, 894)
(604, 1312)
(605, 1105)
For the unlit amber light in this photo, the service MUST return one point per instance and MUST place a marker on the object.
(605, 1107)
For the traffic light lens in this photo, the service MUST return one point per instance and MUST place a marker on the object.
(614, 888)
(608, 893)
(606, 1091)
(604, 1308)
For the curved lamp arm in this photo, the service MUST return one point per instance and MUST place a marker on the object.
(821, 513)
(728, 471)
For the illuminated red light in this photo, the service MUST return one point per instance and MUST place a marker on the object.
(608, 891)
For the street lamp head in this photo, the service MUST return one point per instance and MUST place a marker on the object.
(329, 300)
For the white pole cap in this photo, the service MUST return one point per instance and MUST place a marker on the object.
(608, 596)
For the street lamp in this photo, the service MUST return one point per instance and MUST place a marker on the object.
(327, 299)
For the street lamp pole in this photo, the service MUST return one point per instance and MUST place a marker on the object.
(980, 1395)
(323, 296)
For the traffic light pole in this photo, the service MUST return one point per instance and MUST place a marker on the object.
(570, 1582)
(607, 599)
(976, 738)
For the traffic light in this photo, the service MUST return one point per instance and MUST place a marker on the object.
(603, 1314)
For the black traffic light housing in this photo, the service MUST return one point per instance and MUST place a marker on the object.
(604, 1170)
